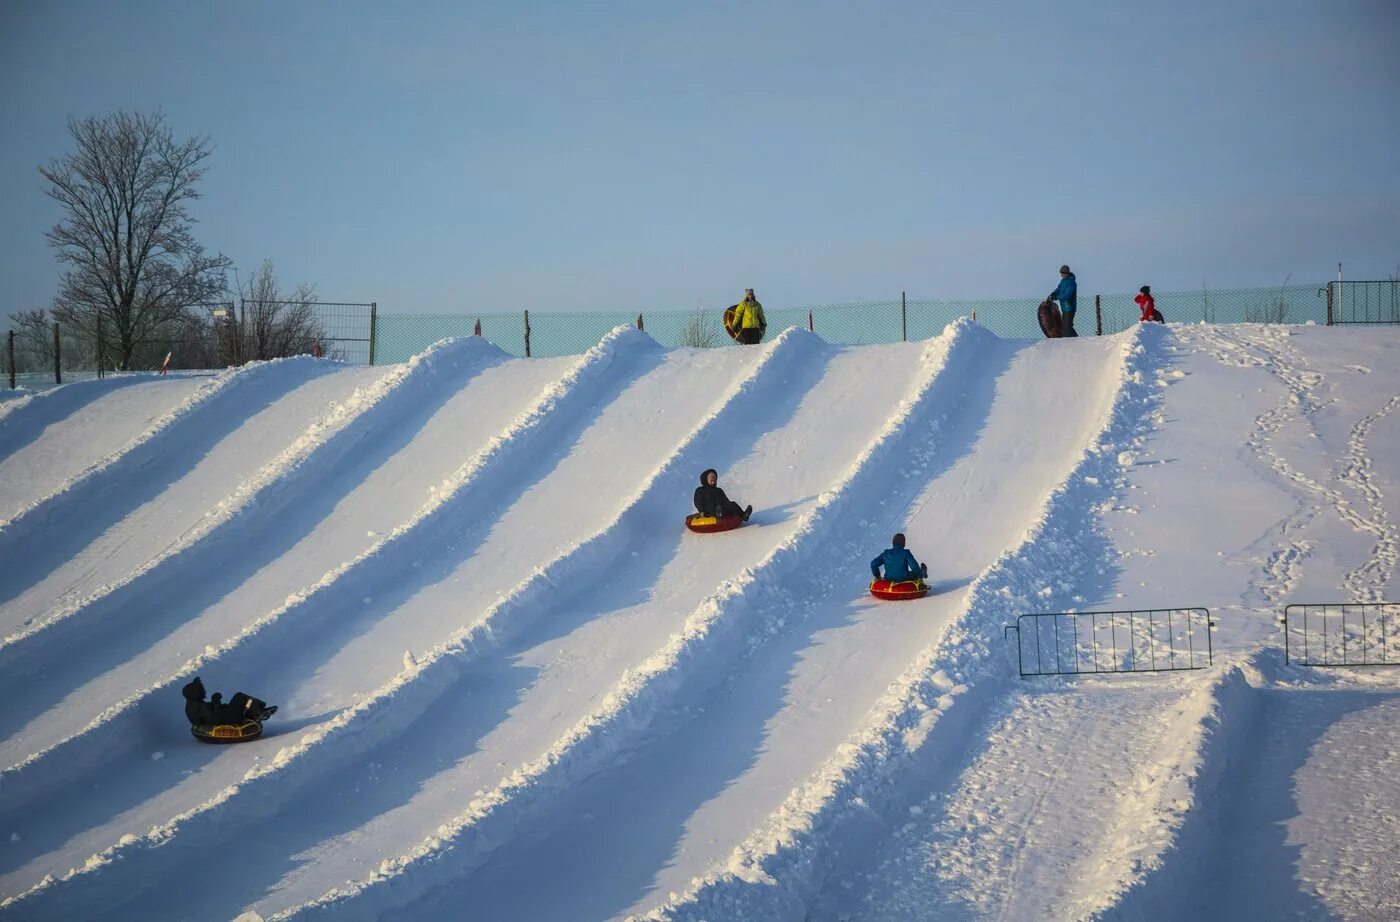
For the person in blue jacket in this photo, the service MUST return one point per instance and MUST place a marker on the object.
(899, 564)
(1065, 293)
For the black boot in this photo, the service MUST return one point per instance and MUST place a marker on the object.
(748, 511)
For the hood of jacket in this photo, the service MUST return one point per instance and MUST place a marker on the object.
(194, 691)
(704, 476)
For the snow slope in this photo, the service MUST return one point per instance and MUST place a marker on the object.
(510, 681)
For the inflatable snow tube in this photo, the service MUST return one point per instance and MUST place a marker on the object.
(704, 524)
(228, 733)
(1049, 316)
(731, 321)
(900, 591)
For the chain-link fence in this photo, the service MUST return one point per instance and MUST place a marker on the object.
(41, 349)
(400, 336)
(229, 333)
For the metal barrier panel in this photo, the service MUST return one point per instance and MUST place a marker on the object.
(1144, 640)
(1364, 302)
(1342, 634)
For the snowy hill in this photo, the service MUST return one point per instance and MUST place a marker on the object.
(513, 686)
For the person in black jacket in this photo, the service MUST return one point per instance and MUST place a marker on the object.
(710, 499)
(240, 707)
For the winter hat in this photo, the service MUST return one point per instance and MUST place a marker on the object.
(898, 540)
(194, 691)
(1146, 289)
(1064, 270)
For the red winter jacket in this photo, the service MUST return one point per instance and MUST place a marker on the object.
(1148, 308)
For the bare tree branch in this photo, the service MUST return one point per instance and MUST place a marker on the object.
(127, 234)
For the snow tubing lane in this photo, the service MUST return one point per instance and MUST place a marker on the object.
(245, 732)
(705, 524)
(900, 591)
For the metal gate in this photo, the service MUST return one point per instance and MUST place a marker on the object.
(1142, 640)
(1342, 634)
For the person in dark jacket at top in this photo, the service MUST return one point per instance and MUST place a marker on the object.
(1066, 293)
(239, 708)
(899, 564)
(710, 499)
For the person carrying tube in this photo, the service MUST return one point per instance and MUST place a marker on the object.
(711, 501)
(1147, 305)
(1066, 293)
(748, 317)
(900, 565)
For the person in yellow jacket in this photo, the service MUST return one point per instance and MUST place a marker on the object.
(748, 317)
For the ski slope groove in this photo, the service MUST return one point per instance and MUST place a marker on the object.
(511, 682)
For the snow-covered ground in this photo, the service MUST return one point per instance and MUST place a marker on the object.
(512, 686)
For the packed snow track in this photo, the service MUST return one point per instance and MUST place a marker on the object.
(511, 683)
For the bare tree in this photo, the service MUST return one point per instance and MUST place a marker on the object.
(700, 330)
(277, 324)
(126, 234)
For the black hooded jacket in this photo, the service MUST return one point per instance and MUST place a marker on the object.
(710, 500)
(199, 712)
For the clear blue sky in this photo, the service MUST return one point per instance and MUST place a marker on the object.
(479, 156)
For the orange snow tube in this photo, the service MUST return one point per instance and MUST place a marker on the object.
(731, 321)
(228, 733)
(704, 524)
(900, 591)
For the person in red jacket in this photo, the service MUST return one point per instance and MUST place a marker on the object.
(1147, 305)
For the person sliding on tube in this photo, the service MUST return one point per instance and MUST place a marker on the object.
(900, 565)
(240, 707)
(748, 316)
(710, 499)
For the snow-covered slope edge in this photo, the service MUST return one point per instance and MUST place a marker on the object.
(398, 702)
(720, 628)
(782, 864)
(149, 441)
(520, 436)
(347, 420)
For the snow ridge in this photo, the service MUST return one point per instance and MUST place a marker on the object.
(149, 439)
(445, 357)
(556, 400)
(422, 680)
(496, 453)
(781, 864)
(710, 631)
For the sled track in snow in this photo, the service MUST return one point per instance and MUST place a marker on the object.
(783, 863)
(394, 704)
(24, 780)
(934, 742)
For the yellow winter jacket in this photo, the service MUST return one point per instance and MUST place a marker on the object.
(749, 315)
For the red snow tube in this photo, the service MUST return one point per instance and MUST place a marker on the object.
(1049, 316)
(704, 524)
(228, 733)
(896, 592)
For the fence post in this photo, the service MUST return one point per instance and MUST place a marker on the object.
(812, 327)
(1098, 314)
(12, 359)
(1329, 304)
(57, 363)
(373, 328)
(527, 334)
(476, 330)
(903, 317)
(99, 345)
(639, 322)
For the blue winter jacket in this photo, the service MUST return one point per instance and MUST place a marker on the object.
(899, 565)
(1065, 294)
